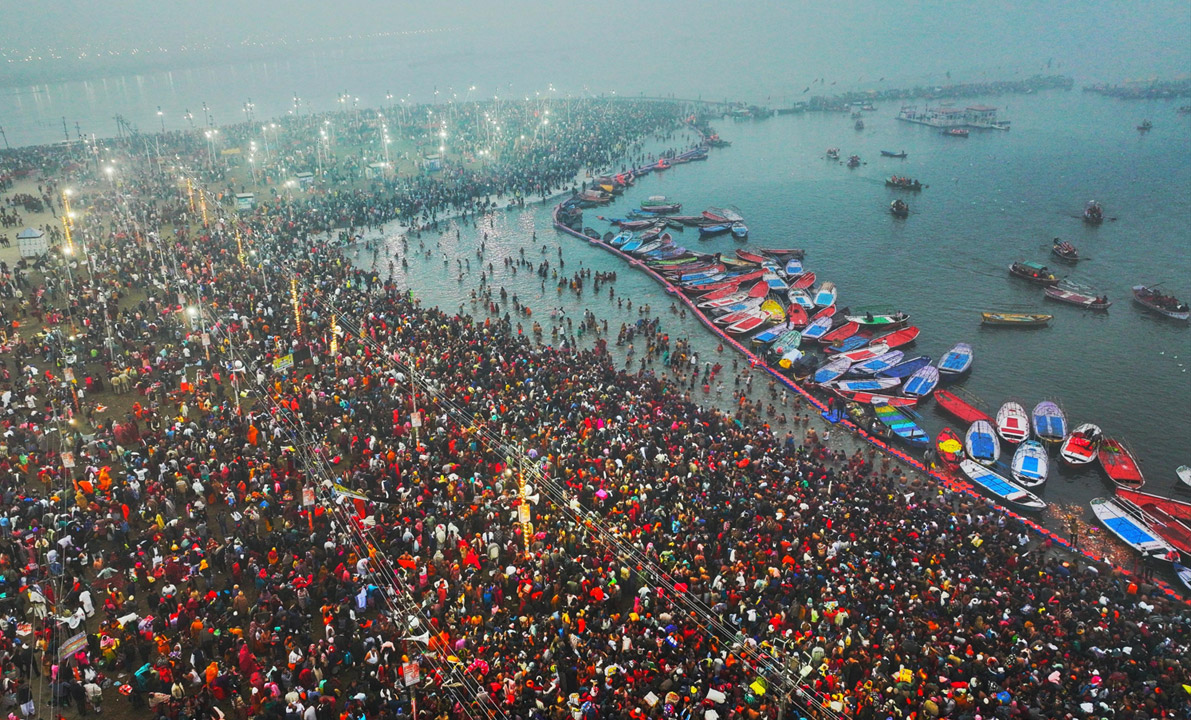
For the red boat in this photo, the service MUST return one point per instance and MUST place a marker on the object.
(751, 256)
(898, 338)
(789, 252)
(841, 333)
(1119, 464)
(717, 294)
(825, 312)
(959, 407)
(796, 316)
(759, 290)
(1170, 518)
(868, 398)
(949, 446)
(804, 281)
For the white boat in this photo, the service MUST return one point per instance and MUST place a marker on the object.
(1184, 473)
(793, 268)
(1080, 446)
(922, 382)
(1013, 424)
(981, 443)
(1133, 530)
(1184, 574)
(1001, 488)
(825, 295)
(789, 358)
(800, 298)
(881, 362)
(1030, 464)
(830, 370)
(871, 385)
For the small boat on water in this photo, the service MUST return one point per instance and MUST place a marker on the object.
(1013, 424)
(1183, 472)
(1001, 488)
(1018, 320)
(899, 208)
(739, 230)
(964, 408)
(1072, 296)
(817, 329)
(825, 295)
(787, 341)
(1119, 464)
(870, 385)
(833, 369)
(904, 183)
(774, 310)
(878, 317)
(1145, 126)
(854, 161)
(899, 338)
(1049, 421)
(865, 353)
(796, 315)
(981, 443)
(1064, 251)
(1079, 447)
(793, 268)
(921, 383)
(1093, 214)
(747, 324)
(1170, 518)
(1033, 272)
(840, 334)
(1161, 303)
(804, 281)
(891, 154)
(1030, 464)
(713, 230)
(902, 425)
(949, 447)
(906, 368)
(882, 362)
(767, 336)
(800, 298)
(833, 153)
(956, 132)
(752, 257)
(867, 398)
(859, 125)
(846, 345)
(1133, 530)
(957, 361)
(1183, 573)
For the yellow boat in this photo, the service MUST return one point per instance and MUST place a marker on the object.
(1015, 319)
(776, 312)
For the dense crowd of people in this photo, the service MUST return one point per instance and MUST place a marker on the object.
(305, 484)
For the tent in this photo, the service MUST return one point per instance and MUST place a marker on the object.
(32, 242)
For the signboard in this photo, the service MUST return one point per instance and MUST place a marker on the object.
(67, 459)
(283, 362)
(72, 646)
(244, 201)
(411, 673)
(206, 339)
(523, 513)
(307, 496)
(415, 420)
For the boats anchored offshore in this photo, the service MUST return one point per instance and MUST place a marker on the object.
(891, 154)
(1064, 251)
(1021, 320)
(899, 208)
(956, 132)
(1145, 126)
(1093, 214)
(1074, 296)
(1133, 530)
(904, 183)
(1161, 303)
(854, 161)
(1034, 272)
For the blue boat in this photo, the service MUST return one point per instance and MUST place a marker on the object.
(1050, 424)
(740, 230)
(831, 370)
(922, 382)
(981, 443)
(848, 345)
(904, 429)
(710, 230)
(1132, 529)
(817, 329)
(871, 385)
(1001, 488)
(879, 363)
(621, 239)
(631, 245)
(957, 360)
(793, 267)
(1030, 464)
(768, 335)
(906, 368)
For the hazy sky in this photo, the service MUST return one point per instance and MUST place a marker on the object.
(1099, 38)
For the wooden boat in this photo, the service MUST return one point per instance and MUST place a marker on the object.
(878, 317)
(859, 125)
(899, 338)
(775, 311)
(768, 335)
(882, 362)
(833, 369)
(1145, 126)
(870, 385)
(751, 256)
(1170, 518)
(906, 368)
(957, 361)
(1049, 422)
(787, 341)
(963, 408)
(833, 153)
(1079, 447)
(1183, 574)
(1013, 424)
(1073, 297)
(854, 161)
(738, 264)
(1034, 272)
(793, 268)
(1166, 305)
(817, 329)
(713, 230)
(866, 353)
(1119, 464)
(1001, 488)
(721, 294)
(739, 230)
(1093, 214)
(826, 312)
(621, 238)
(956, 132)
(981, 443)
(796, 315)
(804, 281)
(1019, 320)
(899, 208)
(825, 295)
(780, 253)
(903, 183)
(1183, 472)
(726, 302)
(631, 245)
(903, 426)
(1030, 464)
(800, 298)
(921, 383)
(949, 447)
(867, 398)
(1064, 251)
(846, 345)
(891, 154)
(1133, 530)
(747, 324)
(775, 282)
(839, 334)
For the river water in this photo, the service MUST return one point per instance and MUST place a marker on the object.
(993, 198)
